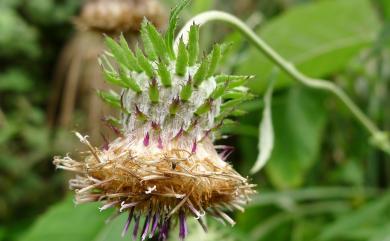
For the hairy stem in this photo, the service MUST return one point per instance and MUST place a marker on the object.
(379, 138)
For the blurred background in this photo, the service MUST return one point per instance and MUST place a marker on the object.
(324, 181)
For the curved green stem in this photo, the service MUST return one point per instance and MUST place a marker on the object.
(379, 138)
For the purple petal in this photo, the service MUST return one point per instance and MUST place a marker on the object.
(226, 151)
(146, 226)
(154, 225)
(146, 139)
(168, 226)
(160, 144)
(111, 126)
(162, 235)
(194, 147)
(106, 143)
(225, 154)
(164, 230)
(183, 225)
(128, 222)
(136, 225)
(179, 133)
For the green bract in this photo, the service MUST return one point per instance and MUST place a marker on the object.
(167, 89)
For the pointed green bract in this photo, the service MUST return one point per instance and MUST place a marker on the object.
(232, 103)
(238, 112)
(165, 75)
(174, 107)
(131, 61)
(200, 75)
(230, 78)
(110, 97)
(144, 63)
(219, 91)
(237, 83)
(182, 59)
(148, 46)
(233, 80)
(153, 92)
(214, 57)
(140, 115)
(157, 41)
(152, 72)
(173, 18)
(105, 63)
(112, 78)
(186, 91)
(204, 108)
(234, 95)
(228, 105)
(113, 121)
(128, 81)
(193, 45)
(116, 50)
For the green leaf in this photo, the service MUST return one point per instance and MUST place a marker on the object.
(314, 38)
(298, 120)
(266, 132)
(382, 234)
(173, 18)
(50, 13)
(65, 221)
(17, 36)
(199, 6)
(15, 79)
(384, 7)
(367, 215)
(113, 230)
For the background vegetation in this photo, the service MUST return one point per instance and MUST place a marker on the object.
(324, 180)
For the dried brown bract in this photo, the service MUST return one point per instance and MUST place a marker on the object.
(158, 183)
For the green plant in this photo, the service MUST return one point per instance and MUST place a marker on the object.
(322, 180)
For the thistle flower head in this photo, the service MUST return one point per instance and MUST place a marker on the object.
(164, 165)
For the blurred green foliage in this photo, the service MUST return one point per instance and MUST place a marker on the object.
(320, 43)
(323, 181)
(31, 35)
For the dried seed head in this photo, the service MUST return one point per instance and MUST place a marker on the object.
(164, 165)
(120, 15)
